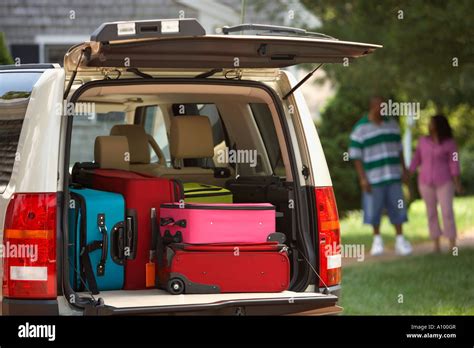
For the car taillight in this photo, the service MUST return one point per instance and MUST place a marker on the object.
(329, 237)
(29, 268)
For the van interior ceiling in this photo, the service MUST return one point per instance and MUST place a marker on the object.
(245, 124)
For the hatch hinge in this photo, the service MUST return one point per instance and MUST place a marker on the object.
(111, 73)
(299, 84)
(305, 172)
(234, 74)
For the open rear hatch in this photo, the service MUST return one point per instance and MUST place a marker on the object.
(183, 44)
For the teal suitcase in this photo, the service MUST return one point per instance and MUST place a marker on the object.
(96, 240)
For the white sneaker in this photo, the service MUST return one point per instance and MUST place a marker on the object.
(402, 246)
(377, 246)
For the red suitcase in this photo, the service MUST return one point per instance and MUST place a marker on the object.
(141, 193)
(223, 268)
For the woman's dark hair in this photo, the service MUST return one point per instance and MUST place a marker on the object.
(443, 129)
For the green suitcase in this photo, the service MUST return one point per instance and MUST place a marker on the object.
(201, 193)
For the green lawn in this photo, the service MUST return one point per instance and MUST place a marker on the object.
(430, 284)
(416, 229)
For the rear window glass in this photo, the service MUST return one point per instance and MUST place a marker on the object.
(263, 119)
(15, 91)
(210, 110)
(219, 136)
(155, 125)
(86, 128)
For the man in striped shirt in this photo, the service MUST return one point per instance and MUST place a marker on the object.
(376, 149)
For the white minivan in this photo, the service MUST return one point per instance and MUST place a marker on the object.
(144, 73)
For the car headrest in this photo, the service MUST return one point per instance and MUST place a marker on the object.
(111, 152)
(191, 137)
(137, 142)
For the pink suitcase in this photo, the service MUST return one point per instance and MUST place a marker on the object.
(194, 223)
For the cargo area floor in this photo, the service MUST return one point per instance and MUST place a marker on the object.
(156, 298)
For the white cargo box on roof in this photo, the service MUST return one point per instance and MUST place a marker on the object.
(114, 31)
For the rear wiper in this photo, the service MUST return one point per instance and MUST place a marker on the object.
(273, 30)
(208, 73)
(140, 73)
(298, 85)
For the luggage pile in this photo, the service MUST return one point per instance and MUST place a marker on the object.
(133, 231)
(215, 248)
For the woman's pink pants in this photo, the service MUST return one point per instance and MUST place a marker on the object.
(444, 194)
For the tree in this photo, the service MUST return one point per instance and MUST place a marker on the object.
(426, 57)
(427, 53)
(5, 57)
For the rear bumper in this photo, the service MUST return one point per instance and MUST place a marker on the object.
(243, 307)
(281, 306)
(29, 307)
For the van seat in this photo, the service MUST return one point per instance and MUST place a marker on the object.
(139, 142)
(110, 152)
(190, 138)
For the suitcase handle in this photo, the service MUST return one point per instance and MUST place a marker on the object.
(168, 221)
(121, 242)
(105, 244)
(117, 243)
(168, 238)
(131, 234)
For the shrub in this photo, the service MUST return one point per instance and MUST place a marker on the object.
(5, 57)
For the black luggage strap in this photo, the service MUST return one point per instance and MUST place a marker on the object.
(81, 172)
(84, 262)
(85, 256)
(157, 243)
(75, 268)
(87, 265)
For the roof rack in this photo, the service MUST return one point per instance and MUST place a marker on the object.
(155, 28)
(263, 29)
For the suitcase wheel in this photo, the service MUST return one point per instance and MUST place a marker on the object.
(175, 286)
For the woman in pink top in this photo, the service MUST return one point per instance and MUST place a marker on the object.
(438, 159)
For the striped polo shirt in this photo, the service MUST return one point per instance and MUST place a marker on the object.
(378, 147)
